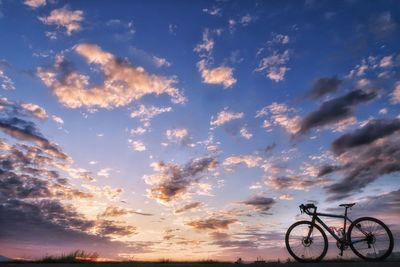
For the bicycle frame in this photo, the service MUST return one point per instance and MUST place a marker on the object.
(315, 218)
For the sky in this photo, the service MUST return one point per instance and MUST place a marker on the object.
(192, 130)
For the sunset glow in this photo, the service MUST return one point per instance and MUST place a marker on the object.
(193, 130)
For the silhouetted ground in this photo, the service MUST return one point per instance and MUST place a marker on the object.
(182, 264)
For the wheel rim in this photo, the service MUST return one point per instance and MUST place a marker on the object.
(370, 239)
(306, 249)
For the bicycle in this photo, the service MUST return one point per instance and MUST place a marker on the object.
(369, 238)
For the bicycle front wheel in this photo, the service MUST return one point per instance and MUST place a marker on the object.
(370, 239)
(306, 242)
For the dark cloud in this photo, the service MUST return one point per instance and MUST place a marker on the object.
(262, 204)
(372, 131)
(327, 169)
(364, 164)
(211, 223)
(189, 206)
(335, 110)
(324, 86)
(172, 181)
(26, 131)
(112, 228)
(34, 195)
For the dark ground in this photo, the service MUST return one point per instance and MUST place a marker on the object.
(141, 264)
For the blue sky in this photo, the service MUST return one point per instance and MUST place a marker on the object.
(193, 126)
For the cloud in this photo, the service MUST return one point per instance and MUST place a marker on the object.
(122, 84)
(112, 211)
(207, 45)
(219, 75)
(244, 132)
(280, 114)
(365, 135)
(259, 203)
(275, 65)
(249, 160)
(35, 3)
(335, 110)
(211, 223)
(363, 164)
(226, 116)
(396, 94)
(64, 17)
(190, 206)
(293, 182)
(179, 135)
(36, 110)
(5, 81)
(214, 11)
(324, 86)
(137, 145)
(171, 181)
(105, 172)
(24, 130)
(161, 62)
(57, 119)
(146, 113)
(246, 20)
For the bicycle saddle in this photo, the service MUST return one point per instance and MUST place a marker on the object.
(347, 205)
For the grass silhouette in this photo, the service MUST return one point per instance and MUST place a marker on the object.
(72, 257)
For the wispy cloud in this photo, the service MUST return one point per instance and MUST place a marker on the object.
(225, 116)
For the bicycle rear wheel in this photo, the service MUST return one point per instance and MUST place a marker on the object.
(303, 248)
(370, 239)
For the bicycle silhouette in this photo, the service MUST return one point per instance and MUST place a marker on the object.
(369, 238)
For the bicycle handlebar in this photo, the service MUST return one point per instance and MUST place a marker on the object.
(306, 208)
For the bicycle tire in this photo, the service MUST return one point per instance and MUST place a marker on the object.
(352, 236)
(301, 258)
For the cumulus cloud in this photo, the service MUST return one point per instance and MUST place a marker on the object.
(226, 116)
(244, 132)
(35, 3)
(280, 114)
(57, 119)
(219, 75)
(64, 17)
(275, 65)
(171, 181)
(190, 206)
(335, 110)
(249, 160)
(122, 84)
(211, 223)
(259, 203)
(324, 86)
(137, 145)
(179, 135)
